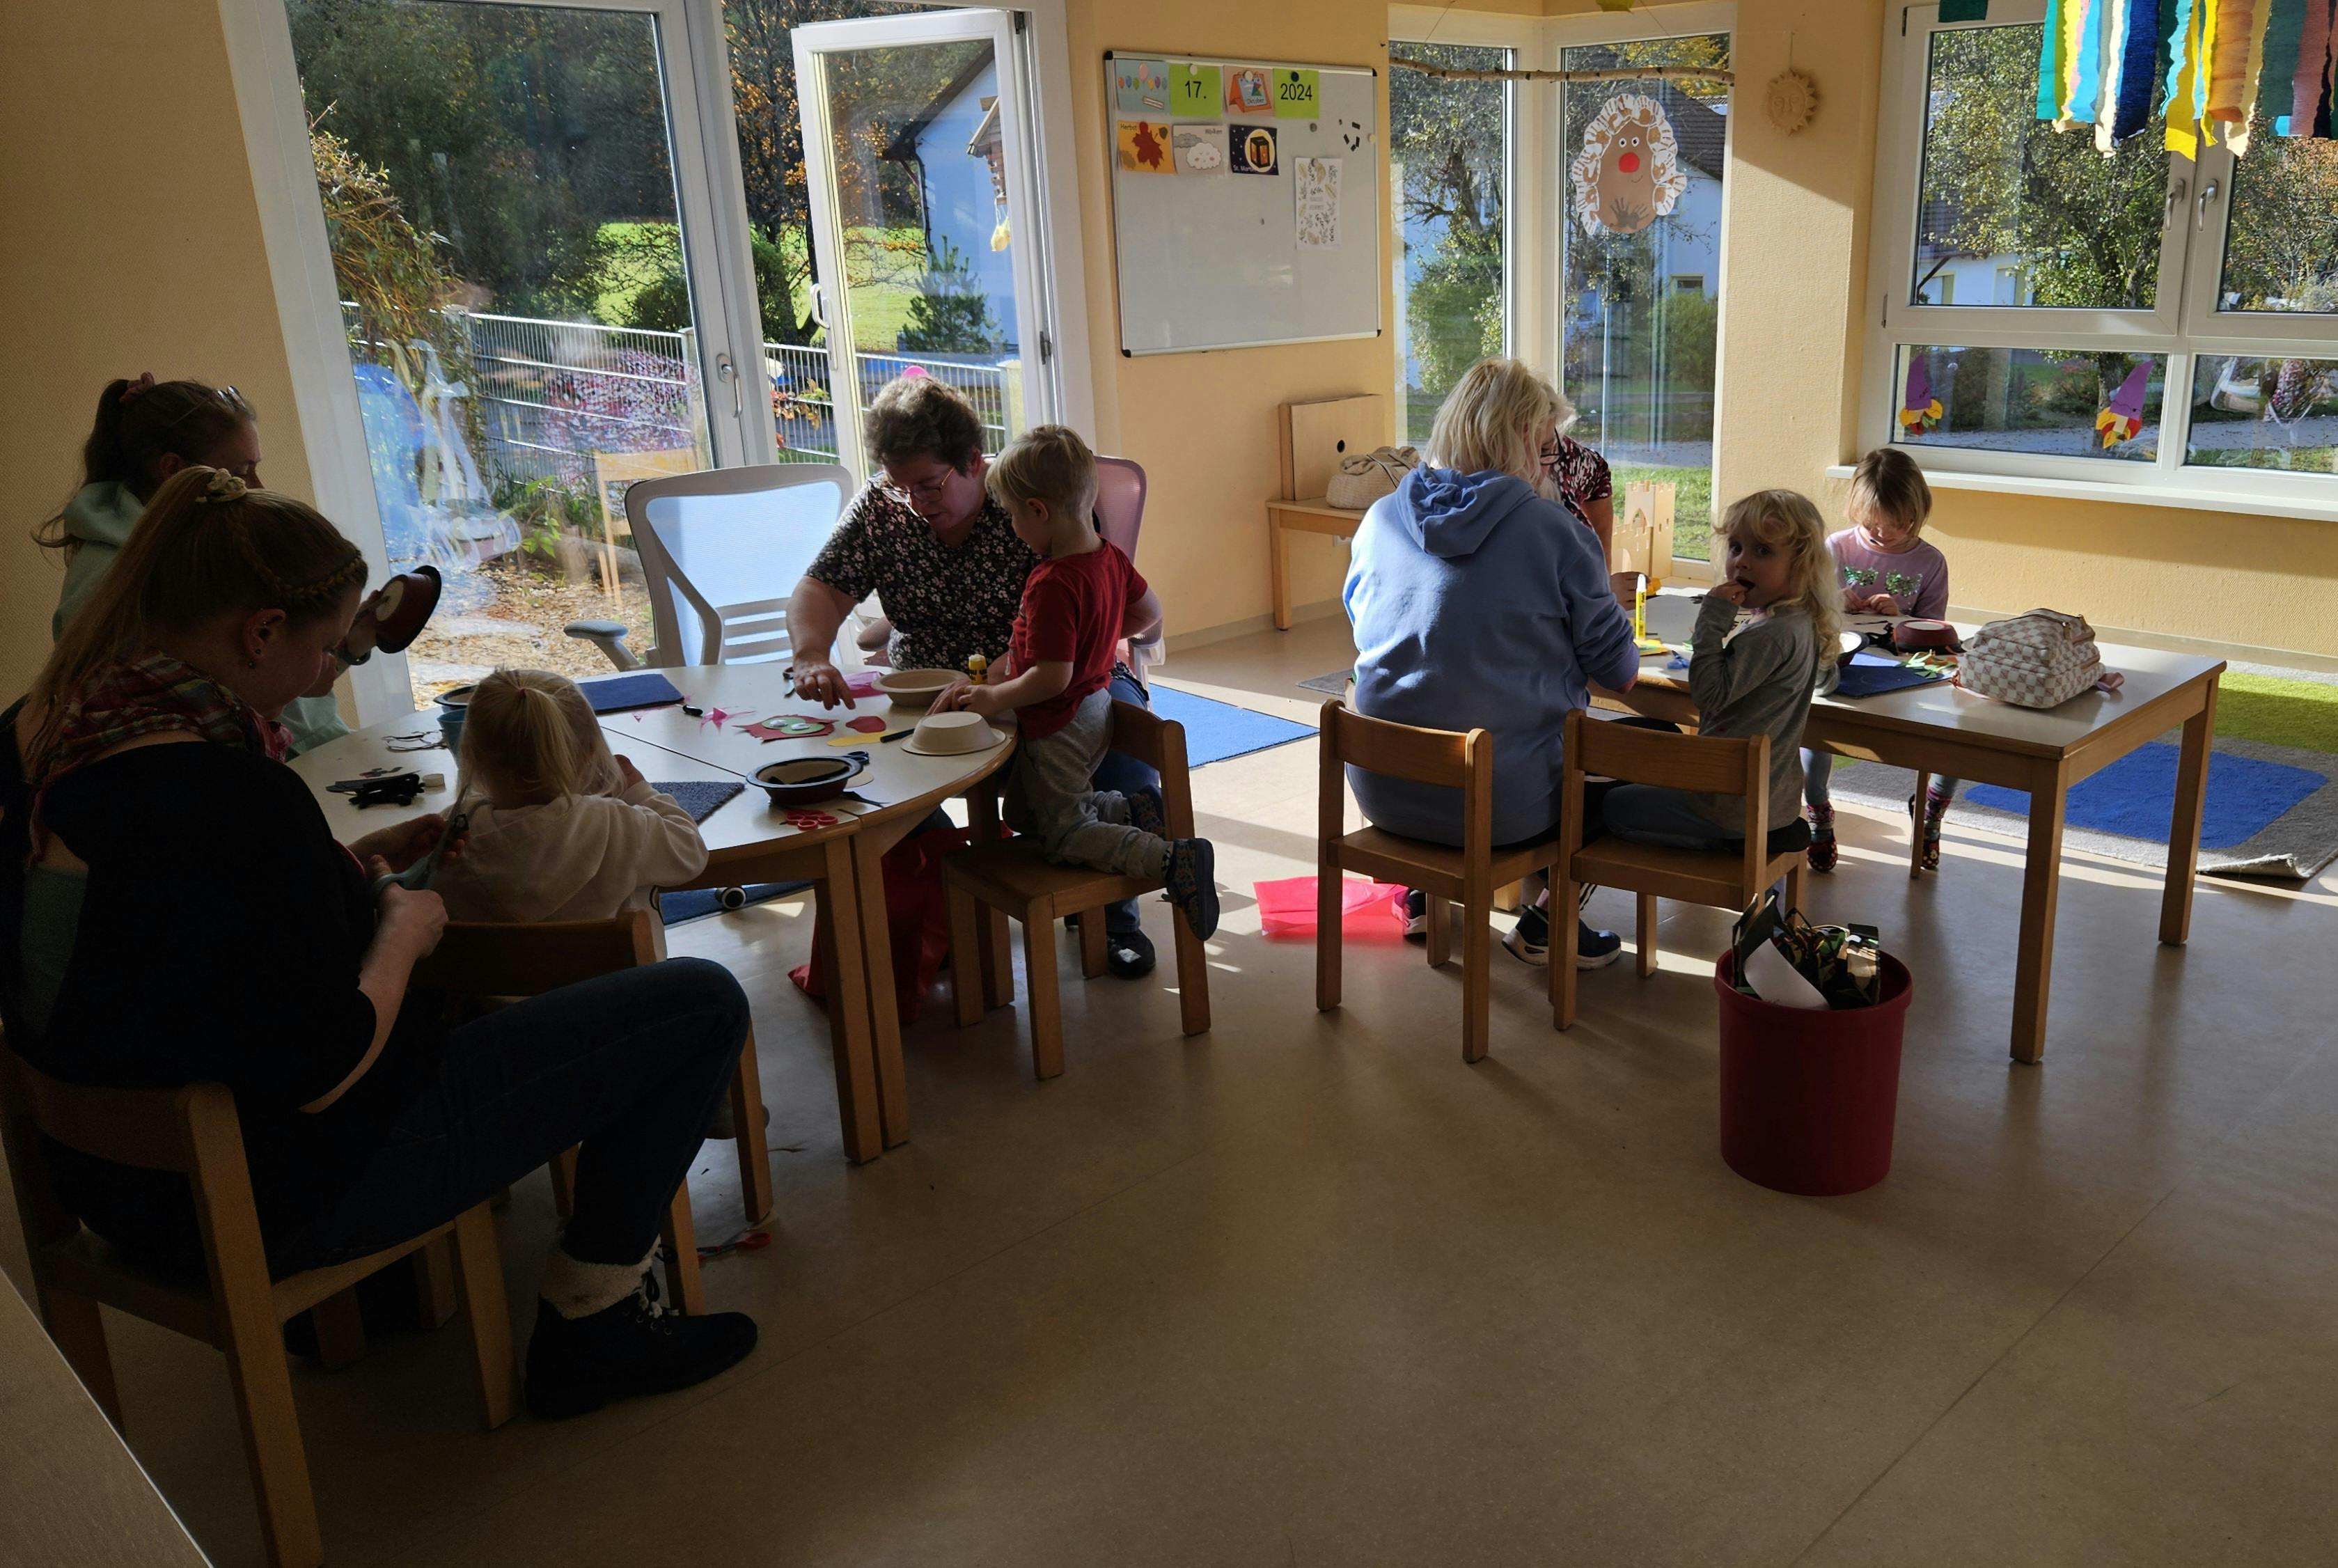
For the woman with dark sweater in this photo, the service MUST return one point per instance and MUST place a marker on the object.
(181, 912)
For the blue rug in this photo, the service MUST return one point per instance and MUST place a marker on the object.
(1216, 730)
(2135, 796)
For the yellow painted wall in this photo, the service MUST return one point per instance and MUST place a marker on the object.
(133, 243)
(1793, 332)
(1204, 424)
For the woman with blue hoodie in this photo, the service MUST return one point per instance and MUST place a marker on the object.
(147, 430)
(1479, 601)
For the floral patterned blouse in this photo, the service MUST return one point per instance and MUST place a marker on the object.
(1582, 475)
(946, 601)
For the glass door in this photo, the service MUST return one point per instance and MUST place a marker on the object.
(1641, 283)
(925, 222)
(523, 236)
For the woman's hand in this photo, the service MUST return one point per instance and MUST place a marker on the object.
(406, 920)
(1624, 585)
(404, 843)
(823, 682)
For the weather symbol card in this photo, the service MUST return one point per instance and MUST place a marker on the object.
(1252, 150)
(1246, 91)
(1200, 149)
(1140, 86)
(1144, 147)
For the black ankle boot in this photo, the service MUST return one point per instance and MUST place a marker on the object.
(577, 1365)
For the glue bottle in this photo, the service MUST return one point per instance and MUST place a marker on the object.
(976, 667)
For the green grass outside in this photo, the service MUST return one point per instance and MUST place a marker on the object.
(884, 267)
(2277, 712)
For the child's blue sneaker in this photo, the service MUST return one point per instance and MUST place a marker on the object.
(1146, 812)
(1193, 884)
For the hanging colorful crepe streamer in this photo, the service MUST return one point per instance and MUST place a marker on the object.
(2114, 22)
(2051, 66)
(2309, 86)
(2276, 75)
(2124, 417)
(1918, 411)
(2233, 74)
(2189, 50)
(2137, 81)
(2082, 92)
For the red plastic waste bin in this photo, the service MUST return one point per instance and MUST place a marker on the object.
(1808, 1095)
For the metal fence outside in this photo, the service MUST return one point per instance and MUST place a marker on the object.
(550, 395)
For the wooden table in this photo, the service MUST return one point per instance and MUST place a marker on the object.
(1284, 518)
(69, 1491)
(748, 840)
(1941, 729)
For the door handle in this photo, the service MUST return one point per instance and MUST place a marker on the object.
(2175, 189)
(2208, 194)
(729, 372)
(819, 308)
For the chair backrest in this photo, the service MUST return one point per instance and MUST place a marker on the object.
(489, 958)
(723, 550)
(1458, 759)
(1160, 744)
(1708, 764)
(1120, 502)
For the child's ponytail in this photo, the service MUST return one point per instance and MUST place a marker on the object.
(530, 734)
(141, 421)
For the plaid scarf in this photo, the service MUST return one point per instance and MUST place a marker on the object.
(145, 696)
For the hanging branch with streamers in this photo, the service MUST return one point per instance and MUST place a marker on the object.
(1597, 73)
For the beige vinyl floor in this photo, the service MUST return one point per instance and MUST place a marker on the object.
(1307, 1290)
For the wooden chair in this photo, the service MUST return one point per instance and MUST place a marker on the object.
(1732, 876)
(1012, 878)
(193, 1131)
(485, 959)
(1444, 875)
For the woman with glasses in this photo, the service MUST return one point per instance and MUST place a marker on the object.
(927, 540)
(147, 430)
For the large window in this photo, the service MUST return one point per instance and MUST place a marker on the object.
(1450, 152)
(1640, 307)
(2054, 313)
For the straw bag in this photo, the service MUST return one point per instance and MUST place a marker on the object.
(2038, 660)
(1364, 477)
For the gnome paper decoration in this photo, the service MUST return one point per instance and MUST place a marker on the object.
(1629, 173)
(1918, 411)
(2122, 420)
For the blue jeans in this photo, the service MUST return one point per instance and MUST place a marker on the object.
(631, 1065)
(1652, 814)
(1124, 775)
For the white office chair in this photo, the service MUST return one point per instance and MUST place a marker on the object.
(746, 535)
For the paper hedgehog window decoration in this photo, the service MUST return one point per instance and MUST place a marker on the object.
(1629, 173)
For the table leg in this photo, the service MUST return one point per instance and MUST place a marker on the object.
(1279, 567)
(2041, 880)
(991, 935)
(847, 983)
(884, 1013)
(1916, 826)
(2184, 829)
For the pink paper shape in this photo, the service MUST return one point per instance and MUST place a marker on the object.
(867, 724)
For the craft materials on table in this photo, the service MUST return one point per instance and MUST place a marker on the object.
(635, 688)
(701, 798)
(790, 727)
(1870, 674)
(1640, 638)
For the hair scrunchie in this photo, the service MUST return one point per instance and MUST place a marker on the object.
(225, 486)
(138, 388)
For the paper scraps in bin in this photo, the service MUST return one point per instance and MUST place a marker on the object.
(1369, 911)
(1816, 966)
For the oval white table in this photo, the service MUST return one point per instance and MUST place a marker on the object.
(749, 840)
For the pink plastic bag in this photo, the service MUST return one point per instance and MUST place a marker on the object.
(1369, 911)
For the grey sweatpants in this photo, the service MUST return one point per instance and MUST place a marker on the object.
(1051, 792)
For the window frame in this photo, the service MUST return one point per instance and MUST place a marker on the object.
(2182, 328)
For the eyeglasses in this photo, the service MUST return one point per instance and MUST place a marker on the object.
(925, 490)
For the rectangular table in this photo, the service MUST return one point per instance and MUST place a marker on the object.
(1941, 729)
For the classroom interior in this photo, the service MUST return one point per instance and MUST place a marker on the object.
(1307, 1288)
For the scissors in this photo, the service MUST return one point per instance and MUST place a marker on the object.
(417, 877)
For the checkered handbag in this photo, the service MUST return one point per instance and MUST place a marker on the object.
(2038, 660)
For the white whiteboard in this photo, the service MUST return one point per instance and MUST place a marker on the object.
(1214, 261)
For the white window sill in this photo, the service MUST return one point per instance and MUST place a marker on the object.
(2248, 503)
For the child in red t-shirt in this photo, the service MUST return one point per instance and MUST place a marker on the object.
(1081, 598)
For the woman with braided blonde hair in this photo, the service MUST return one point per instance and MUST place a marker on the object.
(173, 909)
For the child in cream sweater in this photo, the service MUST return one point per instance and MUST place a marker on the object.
(565, 831)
